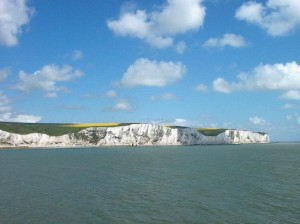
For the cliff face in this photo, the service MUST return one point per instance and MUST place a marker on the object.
(131, 135)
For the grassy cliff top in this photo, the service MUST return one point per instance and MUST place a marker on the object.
(53, 129)
(56, 129)
(211, 131)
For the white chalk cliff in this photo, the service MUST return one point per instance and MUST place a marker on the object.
(131, 135)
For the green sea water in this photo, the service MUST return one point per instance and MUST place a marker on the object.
(194, 184)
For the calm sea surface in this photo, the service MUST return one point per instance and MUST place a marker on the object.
(195, 184)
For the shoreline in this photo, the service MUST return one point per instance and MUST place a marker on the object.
(132, 135)
(139, 146)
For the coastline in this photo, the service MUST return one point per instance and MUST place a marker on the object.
(130, 136)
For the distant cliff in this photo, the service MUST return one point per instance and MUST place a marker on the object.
(131, 135)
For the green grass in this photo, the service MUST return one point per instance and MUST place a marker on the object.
(174, 126)
(51, 128)
(45, 128)
(61, 129)
(261, 133)
(211, 131)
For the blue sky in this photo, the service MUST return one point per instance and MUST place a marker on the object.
(207, 63)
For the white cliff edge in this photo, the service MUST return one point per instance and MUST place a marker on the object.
(131, 135)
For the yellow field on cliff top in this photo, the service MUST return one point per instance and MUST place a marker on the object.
(56, 129)
(88, 125)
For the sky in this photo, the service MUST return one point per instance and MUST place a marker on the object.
(196, 63)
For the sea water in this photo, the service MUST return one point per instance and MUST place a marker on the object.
(186, 184)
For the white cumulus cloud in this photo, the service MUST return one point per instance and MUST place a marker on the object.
(294, 118)
(77, 55)
(220, 85)
(4, 73)
(201, 88)
(122, 105)
(144, 72)
(180, 47)
(291, 95)
(14, 14)
(47, 78)
(284, 77)
(228, 39)
(158, 27)
(257, 120)
(287, 106)
(7, 114)
(165, 96)
(277, 17)
(4, 103)
(180, 122)
(111, 93)
(24, 118)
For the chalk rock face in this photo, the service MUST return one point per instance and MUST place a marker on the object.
(32, 140)
(131, 135)
(245, 137)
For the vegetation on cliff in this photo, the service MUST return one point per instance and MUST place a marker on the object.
(57, 129)
(53, 129)
(211, 131)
